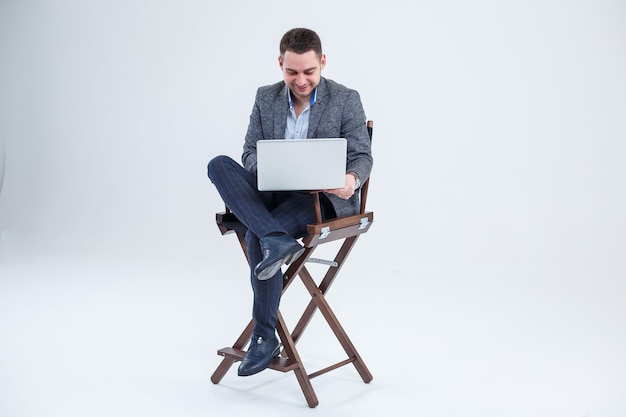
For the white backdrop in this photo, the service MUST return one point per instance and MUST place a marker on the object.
(498, 184)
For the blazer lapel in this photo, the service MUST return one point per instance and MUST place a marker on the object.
(318, 108)
(281, 109)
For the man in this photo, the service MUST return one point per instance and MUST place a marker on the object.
(304, 105)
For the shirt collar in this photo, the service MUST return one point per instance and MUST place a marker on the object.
(311, 101)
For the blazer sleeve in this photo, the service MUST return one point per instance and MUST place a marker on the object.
(254, 133)
(354, 129)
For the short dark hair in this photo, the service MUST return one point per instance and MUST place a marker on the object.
(301, 40)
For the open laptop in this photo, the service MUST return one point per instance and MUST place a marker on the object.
(301, 164)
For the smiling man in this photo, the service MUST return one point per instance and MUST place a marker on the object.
(303, 105)
(302, 72)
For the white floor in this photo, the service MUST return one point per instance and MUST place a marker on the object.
(115, 336)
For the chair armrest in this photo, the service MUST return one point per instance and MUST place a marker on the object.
(339, 228)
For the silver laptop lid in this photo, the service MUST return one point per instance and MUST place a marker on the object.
(301, 164)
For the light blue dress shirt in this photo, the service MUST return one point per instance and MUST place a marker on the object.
(298, 127)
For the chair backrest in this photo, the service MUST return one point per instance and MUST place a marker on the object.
(365, 186)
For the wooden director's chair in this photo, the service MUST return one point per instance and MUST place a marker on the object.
(347, 228)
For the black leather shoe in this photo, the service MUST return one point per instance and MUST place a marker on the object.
(277, 251)
(260, 354)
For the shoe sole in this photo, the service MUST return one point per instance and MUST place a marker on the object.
(295, 256)
(271, 270)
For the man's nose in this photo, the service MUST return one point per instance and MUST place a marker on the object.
(301, 79)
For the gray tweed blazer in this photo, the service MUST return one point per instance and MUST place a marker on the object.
(337, 112)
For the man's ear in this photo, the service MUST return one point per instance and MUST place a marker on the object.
(322, 61)
(280, 62)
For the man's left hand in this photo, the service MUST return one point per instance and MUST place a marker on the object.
(347, 191)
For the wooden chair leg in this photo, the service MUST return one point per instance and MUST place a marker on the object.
(245, 336)
(227, 362)
(320, 301)
(221, 370)
(325, 284)
(290, 351)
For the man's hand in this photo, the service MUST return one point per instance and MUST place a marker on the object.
(347, 191)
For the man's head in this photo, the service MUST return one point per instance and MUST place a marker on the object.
(301, 40)
(301, 60)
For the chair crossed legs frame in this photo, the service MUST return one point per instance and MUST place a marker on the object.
(347, 228)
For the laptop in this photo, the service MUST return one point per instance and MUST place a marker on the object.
(301, 164)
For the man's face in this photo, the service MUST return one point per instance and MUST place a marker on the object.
(302, 72)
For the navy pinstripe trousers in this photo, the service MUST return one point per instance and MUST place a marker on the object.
(263, 212)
